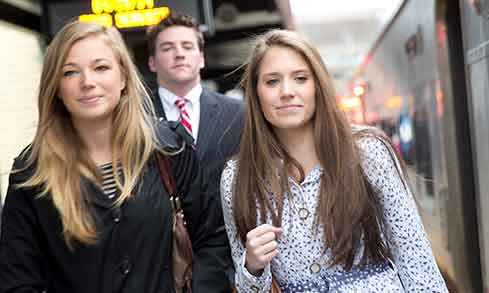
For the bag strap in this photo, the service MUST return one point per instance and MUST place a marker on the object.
(168, 179)
(180, 232)
(167, 175)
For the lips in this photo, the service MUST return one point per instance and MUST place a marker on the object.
(181, 66)
(88, 99)
(289, 107)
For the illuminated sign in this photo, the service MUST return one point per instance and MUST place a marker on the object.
(127, 13)
(348, 103)
(102, 19)
(394, 102)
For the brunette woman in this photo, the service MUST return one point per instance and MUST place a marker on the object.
(311, 201)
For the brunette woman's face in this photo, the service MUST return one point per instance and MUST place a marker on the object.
(91, 82)
(286, 90)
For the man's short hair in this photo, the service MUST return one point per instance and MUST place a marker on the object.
(174, 19)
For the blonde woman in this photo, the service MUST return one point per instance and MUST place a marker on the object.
(86, 209)
(310, 201)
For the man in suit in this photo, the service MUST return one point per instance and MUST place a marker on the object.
(214, 121)
(176, 56)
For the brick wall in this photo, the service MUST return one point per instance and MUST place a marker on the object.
(21, 58)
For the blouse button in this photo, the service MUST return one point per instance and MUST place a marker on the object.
(255, 289)
(315, 268)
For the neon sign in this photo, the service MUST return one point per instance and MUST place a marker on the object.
(126, 13)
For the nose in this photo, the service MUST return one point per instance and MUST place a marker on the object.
(87, 80)
(179, 52)
(288, 90)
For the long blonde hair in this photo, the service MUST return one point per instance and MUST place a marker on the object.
(57, 153)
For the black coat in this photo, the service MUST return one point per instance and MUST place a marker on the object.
(134, 247)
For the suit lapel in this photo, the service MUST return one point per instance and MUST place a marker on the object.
(160, 112)
(209, 108)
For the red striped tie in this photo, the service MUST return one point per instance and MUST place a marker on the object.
(184, 117)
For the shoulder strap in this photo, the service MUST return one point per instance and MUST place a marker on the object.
(166, 175)
(182, 252)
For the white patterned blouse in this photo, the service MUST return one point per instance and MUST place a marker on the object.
(301, 267)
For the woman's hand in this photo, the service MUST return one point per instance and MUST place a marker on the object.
(261, 247)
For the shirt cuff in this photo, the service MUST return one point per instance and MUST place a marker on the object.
(254, 284)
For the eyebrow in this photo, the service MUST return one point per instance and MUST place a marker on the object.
(94, 61)
(170, 43)
(165, 44)
(302, 70)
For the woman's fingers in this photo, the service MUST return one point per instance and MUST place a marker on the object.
(261, 247)
(278, 232)
(264, 233)
(267, 258)
(262, 239)
(267, 248)
(258, 231)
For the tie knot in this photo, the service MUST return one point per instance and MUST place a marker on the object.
(181, 102)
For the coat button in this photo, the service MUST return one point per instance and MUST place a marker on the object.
(116, 215)
(125, 265)
(315, 268)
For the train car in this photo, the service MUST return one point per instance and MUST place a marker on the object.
(426, 85)
(475, 31)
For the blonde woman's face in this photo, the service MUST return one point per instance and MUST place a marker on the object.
(91, 81)
(286, 90)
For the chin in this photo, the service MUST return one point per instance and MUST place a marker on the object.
(92, 116)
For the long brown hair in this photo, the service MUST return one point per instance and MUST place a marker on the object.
(348, 207)
(58, 154)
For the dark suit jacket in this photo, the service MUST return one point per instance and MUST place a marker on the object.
(220, 126)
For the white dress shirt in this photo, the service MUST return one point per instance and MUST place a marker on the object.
(172, 111)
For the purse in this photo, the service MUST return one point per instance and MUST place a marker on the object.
(182, 253)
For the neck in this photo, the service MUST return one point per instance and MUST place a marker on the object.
(300, 146)
(96, 137)
(180, 89)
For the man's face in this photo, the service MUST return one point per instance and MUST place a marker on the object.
(177, 60)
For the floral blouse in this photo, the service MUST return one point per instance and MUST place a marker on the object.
(301, 266)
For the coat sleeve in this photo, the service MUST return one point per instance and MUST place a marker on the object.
(21, 257)
(212, 259)
(410, 247)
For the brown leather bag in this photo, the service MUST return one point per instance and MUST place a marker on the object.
(182, 253)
